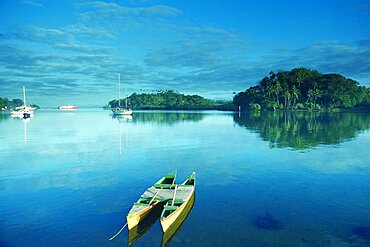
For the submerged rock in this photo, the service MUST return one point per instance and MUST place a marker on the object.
(267, 222)
(361, 231)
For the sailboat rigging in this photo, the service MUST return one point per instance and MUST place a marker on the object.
(121, 110)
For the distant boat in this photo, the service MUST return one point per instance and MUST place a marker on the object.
(23, 111)
(121, 110)
(68, 107)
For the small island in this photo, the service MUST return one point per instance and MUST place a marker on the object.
(169, 100)
(304, 89)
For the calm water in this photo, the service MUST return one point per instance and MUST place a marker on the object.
(69, 178)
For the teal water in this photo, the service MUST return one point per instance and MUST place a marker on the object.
(69, 178)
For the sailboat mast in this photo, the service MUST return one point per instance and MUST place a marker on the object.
(24, 96)
(119, 92)
(126, 95)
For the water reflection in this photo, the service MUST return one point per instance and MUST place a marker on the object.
(168, 118)
(25, 122)
(320, 198)
(4, 116)
(302, 130)
(122, 119)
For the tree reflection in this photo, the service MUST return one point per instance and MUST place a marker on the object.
(302, 130)
(4, 116)
(168, 118)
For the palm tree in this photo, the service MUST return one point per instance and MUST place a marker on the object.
(276, 90)
(295, 95)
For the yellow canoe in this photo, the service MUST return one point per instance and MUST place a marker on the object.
(175, 207)
(161, 191)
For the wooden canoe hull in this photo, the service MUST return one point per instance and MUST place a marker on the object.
(135, 216)
(177, 224)
(133, 220)
(144, 225)
(170, 220)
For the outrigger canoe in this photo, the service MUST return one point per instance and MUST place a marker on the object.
(176, 205)
(160, 192)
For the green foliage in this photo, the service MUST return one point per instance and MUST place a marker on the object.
(35, 106)
(167, 100)
(228, 106)
(5, 103)
(251, 95)
(254, 106)
(273, 106)
(304, 89)
(299, 106)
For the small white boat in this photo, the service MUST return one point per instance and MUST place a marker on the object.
(68, 107)
(23, 111)
(121, 110)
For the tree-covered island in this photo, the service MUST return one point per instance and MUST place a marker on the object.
(304, 89)
(168, 100)
(298, 89)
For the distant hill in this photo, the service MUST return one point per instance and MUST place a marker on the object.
(169, 100)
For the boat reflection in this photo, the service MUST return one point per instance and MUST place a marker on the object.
(176, 226)
(25, 122)
(140, 229)
(22, 116)
(122, 119)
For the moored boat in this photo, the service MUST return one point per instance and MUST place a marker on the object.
(160, 192)
(23, 111)
(119, 110)
(176, 206)
(122, 111)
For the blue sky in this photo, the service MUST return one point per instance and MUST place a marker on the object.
(69, 52)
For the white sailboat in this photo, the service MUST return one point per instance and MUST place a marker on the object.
(121, 110)
(23, 111)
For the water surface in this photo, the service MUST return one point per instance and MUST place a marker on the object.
(69, 178)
